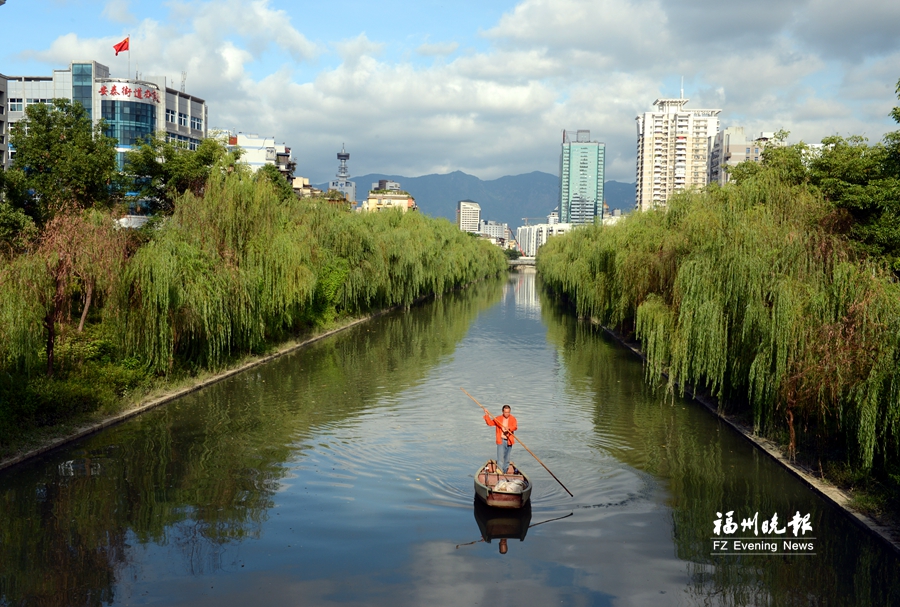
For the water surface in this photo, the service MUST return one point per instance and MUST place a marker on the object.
(342, 475)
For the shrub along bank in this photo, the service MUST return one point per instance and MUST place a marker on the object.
(91, 315)
(769, 293)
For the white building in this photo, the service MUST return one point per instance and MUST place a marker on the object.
(258, 151)
(468, 216)
(530, 238)
(672, 151)
(494, 229)
(132, 108)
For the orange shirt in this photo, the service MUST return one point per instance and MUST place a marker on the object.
(502, 423)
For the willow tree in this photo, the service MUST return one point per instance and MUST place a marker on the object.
(750, 292)
(77, 253)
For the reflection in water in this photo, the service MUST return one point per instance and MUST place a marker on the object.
(200, 474)
(708, 469)
(342, 474)
(525, 293)
(502, 524)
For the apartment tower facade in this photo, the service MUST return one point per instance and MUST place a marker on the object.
(672, 151)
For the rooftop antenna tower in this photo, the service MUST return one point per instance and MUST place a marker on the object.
(682, 87)
(343, 173)
(183, 78)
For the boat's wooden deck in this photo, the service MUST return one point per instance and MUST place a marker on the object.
(489, 480)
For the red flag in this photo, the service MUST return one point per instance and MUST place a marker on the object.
(122, 46)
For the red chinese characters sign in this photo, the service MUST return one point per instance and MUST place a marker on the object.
(125, 91)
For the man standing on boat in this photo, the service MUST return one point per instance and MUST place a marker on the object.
(505, 425)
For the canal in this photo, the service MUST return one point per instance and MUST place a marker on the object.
(342, 475)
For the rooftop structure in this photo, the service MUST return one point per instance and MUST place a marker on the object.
(343, 184)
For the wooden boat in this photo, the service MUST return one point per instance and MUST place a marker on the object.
(511, 490)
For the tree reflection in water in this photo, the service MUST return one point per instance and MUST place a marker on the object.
(709, 469)
(199, 474)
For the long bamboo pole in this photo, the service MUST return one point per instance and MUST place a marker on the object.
(523, 445)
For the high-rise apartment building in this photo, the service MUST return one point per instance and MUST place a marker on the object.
(132, 108)
(468, 216)
(582, 164)
(672, 151)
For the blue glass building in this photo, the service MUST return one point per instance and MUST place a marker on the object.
(131, 108)
(582, 167)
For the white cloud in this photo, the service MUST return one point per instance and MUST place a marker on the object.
(355, 50)
(438, 49)
(550, 65)
(119, 11)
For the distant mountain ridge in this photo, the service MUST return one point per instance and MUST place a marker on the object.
(507, 199)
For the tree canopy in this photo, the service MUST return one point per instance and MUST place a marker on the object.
(62, 162)
(162, 170)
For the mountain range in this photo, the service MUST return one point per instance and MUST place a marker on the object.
(508, 199)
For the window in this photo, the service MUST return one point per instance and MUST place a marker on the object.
(196, 123)
(170, 116)
(748, 151)
(182, 119)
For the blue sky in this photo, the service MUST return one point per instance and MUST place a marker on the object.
(484, 87)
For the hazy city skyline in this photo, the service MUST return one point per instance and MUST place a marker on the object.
(418, 88)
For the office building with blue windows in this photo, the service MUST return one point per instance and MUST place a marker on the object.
(582, 165)
(132, 108)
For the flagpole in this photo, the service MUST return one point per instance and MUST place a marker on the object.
(129, 56)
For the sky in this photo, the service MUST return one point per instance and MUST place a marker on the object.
(413, 88)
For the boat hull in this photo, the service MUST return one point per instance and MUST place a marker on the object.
(485, 490)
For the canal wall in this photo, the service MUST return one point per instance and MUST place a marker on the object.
(835, 495)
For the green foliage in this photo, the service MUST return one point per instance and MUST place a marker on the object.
(228, 273)
(239, 267)
(17, 230)
(62, 160)
(863, 183)
(748, 291)
(271, 173)
(512, 253)
(162, 170)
